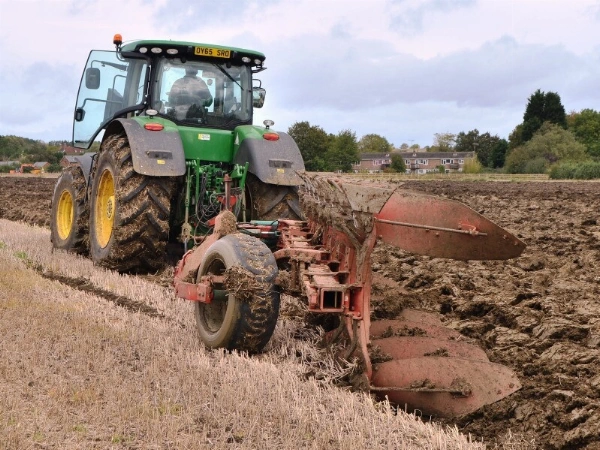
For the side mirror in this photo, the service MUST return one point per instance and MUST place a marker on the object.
(92, 78)
(258, 97)
(79, 114)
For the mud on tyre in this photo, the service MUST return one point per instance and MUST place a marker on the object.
(238, 318)
(271, 201)
(129, 212)
(70, 212)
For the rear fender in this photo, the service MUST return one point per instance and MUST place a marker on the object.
(273, 162)
(154, 153)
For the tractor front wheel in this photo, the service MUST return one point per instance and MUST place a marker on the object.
(69, 214)
(129, 212)
(244, 310)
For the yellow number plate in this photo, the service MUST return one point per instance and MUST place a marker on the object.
(214, 52)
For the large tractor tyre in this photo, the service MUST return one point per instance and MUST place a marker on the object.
(69, 214)
(129, 212)
(271, 201)
(245, 307)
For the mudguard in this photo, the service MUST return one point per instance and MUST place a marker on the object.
(154, 153)
(273, 162)
(85, 162)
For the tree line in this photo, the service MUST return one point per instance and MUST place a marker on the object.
(547, 138)
(545, 141)
(28, 151)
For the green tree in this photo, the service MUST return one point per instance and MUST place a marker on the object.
(542, 107)
(472, 166)
(515, 138)
(374, 143)
(54, 168)
(550, 145)
(15, 147)
(343, 152)
(585, 125)
(398, 164)
(313, 143)
(486, 147)
(467, 142)
(12, 147)
(554, 111)
(498, 155)
(534, 114)
(443, 142)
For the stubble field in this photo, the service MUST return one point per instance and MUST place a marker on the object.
(538, 314)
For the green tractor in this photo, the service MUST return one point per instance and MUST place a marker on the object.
(178, 145)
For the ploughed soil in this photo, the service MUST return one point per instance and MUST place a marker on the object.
(538, 314)
(27, 199)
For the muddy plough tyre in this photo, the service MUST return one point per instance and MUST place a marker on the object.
(238, 320)
(272, 202)
(69, 214)
(129, 212)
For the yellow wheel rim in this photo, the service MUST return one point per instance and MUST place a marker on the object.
(64, 215)
(105, 208)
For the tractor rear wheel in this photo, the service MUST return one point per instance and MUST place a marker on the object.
(69, 213)
(271, 201)
(244, 310)
(129, 212)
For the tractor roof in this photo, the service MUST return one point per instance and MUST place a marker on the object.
(191, 49)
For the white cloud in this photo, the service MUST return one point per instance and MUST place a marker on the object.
(451, 66)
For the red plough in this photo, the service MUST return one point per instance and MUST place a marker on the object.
(420, 364)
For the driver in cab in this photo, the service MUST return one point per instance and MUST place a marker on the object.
(189, 94)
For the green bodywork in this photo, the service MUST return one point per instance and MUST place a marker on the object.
(208, 144)
(140, 78)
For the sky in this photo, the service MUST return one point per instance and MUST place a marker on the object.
(403, 69)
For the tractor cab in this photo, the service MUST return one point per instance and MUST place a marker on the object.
(190, 84)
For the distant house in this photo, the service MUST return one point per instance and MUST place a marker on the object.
(372, 162)
(416, 162)
(427, 162)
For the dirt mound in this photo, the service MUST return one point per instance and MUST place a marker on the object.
(538, 314)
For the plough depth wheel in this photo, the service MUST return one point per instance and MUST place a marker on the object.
(243, 311)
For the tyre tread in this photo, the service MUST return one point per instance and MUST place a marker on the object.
(80, 241)
(142, 233)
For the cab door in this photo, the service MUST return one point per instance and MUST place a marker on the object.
(111, 86)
